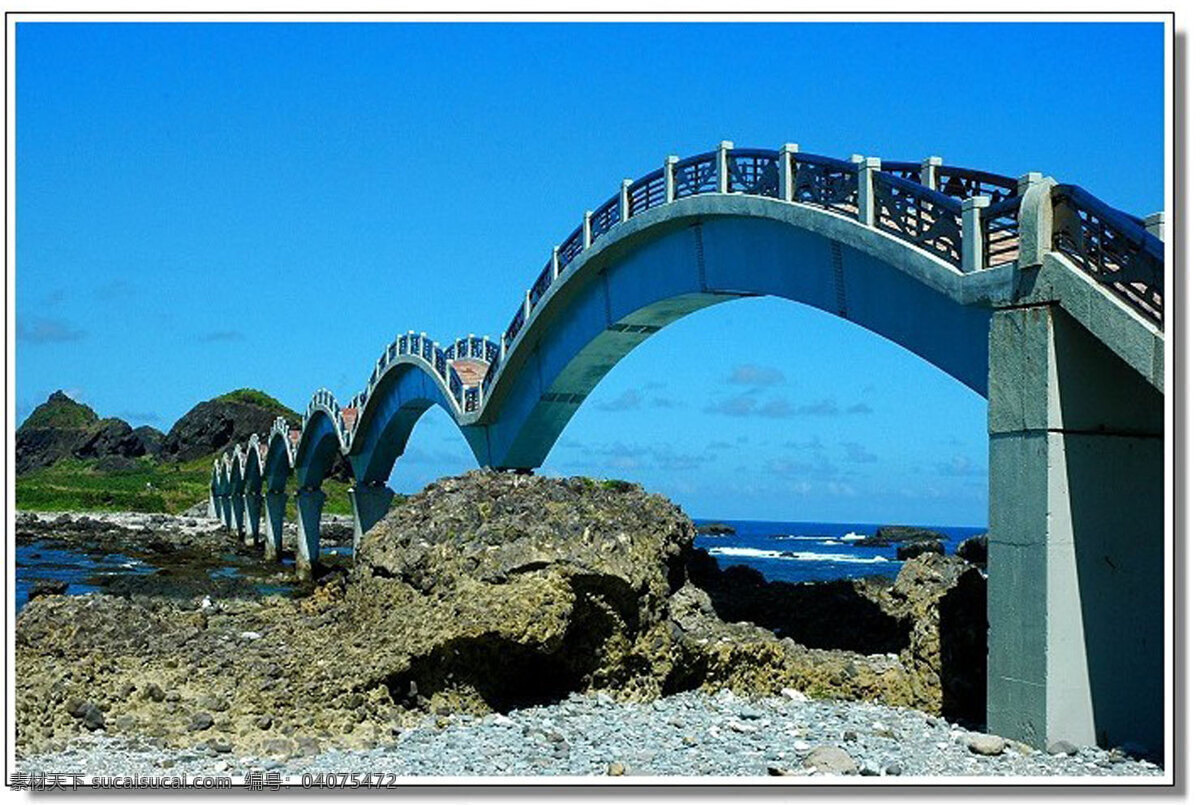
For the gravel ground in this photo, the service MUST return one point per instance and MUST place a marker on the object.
(689, 734)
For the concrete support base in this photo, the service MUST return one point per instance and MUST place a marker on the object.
(225, 503)
(212, 506)
(1076, 545)
(308, 541)
(276, 503)
(238, 502)
(370, 503)
(253, 503)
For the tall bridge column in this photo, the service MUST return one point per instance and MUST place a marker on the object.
(370, 503)
(308, 541)
(253, 505)
(212, 505)
(276, 503)
(1076, 541)
(238, 504)
(226, 506)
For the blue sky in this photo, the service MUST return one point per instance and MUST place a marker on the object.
(202, 207)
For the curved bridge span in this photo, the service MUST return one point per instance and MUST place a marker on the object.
(1032, 293)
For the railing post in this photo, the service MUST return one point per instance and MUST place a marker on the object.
(625, 184)
(972, 233)
(503, 346)
(554, 266)
(587, 230)
(929, 166)
(867, 166)
(1035, 226)
(669, 179)
(1025, 181)
(786, 156)
(1156, 225)
(528, 306)
(723, 149)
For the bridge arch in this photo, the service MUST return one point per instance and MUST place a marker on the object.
(694, 254)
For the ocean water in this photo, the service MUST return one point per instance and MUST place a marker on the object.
(809, 551)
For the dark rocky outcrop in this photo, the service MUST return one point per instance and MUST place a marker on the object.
(911, 550)
(974, 549)
(218, 425)
(53, 431)
(887, 535)
(715, 529)
(62, 428)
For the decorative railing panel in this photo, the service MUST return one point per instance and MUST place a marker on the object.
(1001, 234)
(648, 191)
(754, 171)
(570, 248)
(471, 399)
(456, 386)
(605, 218)
(541, 284)
(514, 327)
(696, 175)
(831, 184)
(967, 183)
(919, 215)
(1112, 247)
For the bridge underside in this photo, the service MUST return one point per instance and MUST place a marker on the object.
(637, 290)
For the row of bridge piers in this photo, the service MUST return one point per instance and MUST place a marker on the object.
(258, 517)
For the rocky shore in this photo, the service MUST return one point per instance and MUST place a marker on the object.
(568, 607)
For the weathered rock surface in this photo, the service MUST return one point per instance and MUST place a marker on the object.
(974, 550)
(481, 593)
(911, 550)
(213, 426)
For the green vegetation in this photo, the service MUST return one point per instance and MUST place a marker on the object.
(147, 486)
(261, 399)
(60, 411)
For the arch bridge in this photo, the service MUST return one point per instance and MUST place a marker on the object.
(1032, 293)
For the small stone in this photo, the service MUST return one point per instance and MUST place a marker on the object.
(742, 727)
(780, 771)
(1062, 748)
(307, 746)
(793, 695)
(220, 766)
(154, 693)
(689, 740)
(984, 744)
(91, 716)
(250, 636)
(263, 722)
(748, 714)
(220, 746)
(604, 698)
(172, 696)
(616, 769)
(830, 760)
(200, 721)
(893, 770)
(801, 747)
(849, 736)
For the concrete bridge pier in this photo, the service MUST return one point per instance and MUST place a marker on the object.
(370, 503)
(276, 503)
(212, 505)
(1076, 545)
(238, 504)
(226, 506)
(253, 503)
(308, 541)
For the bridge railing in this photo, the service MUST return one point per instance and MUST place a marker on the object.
(915, 213)
(831, 184)
(1112, 246)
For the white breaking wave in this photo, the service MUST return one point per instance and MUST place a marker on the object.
(799, 556)
(830, 542)
(797, 537)
(852, 537)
